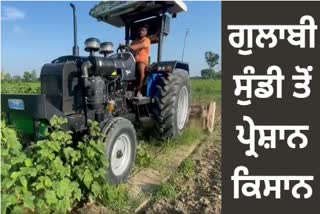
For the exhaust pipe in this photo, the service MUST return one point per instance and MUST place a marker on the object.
(75, 49)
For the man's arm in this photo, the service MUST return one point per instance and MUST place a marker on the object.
(137, 47)
(144, 44)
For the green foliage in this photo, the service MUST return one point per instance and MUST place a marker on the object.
(187, 167)
(116, 197)
(5, 76)
(208, 73)
(212, 59)
(166, 190)
(143, 159)
(20, 87)
(30, 76)
(53, 175)
(205, 91)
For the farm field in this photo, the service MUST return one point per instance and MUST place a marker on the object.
(87, 192)
(203, 91)
(20, 87)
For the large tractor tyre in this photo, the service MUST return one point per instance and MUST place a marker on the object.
(172, 104)
(120, 148)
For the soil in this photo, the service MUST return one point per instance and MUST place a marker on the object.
(200, 193)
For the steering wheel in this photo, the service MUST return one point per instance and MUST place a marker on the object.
(124, 48)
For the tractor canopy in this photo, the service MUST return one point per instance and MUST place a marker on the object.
(122, 13)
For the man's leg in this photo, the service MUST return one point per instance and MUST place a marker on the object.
(141, 71)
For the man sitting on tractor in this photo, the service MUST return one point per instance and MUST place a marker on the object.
(141, 46)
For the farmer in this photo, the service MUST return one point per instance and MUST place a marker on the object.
(141, 46)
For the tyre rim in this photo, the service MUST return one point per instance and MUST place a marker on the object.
(182, 107)
(120, 156)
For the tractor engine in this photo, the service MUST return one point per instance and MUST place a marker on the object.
(89, 88)
(105, 80)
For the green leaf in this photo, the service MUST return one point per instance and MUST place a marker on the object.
(96, 189)
(40, 204)
(63, 189)
(28, 202)
(15, 175)
(30, 171)
(54, 146)
(40, 167)
(51, 156)
(39, 186)
(87, 180)
(6, 201)
(18, 159)
(7, 183)
(5, 169)
(76, 190)
(71, 155)
(63, 206)
(51, 197)
(58, 166)
(47, 182)
(18, 210)
(23, 181)
(28, 162)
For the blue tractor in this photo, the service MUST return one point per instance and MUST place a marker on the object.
(101, 88)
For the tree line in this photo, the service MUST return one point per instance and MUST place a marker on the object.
(212, 59)
(28, 76)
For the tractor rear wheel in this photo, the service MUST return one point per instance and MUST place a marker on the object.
(172, 103)
(120, 148)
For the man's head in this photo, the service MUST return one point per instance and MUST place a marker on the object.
(143, 31)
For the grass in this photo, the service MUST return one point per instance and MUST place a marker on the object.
(149, 146)
(117, 198)
(189, 136)
(147, 152)
(170, 189)
(205, 90)
(187, 167)
(165, 190)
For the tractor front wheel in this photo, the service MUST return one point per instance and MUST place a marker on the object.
(120, 148)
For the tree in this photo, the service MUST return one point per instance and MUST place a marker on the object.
(34, 75)
(27, 76)
(5, 76)
(212, 60)
(17, 78)
(207, 73)
(30, 76)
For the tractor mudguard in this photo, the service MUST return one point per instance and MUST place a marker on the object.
(159, 69)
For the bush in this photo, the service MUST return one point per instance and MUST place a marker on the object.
(52, 175)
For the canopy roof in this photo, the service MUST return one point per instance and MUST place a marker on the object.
(120, 13)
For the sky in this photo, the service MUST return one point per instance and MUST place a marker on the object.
(35, 33)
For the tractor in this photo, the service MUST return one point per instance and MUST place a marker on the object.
(101, 87)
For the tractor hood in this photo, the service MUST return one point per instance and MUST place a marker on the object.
(120, 13)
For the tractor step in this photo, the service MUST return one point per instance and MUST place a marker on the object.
(141, 100)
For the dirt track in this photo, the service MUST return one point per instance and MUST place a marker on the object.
(200, 193)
